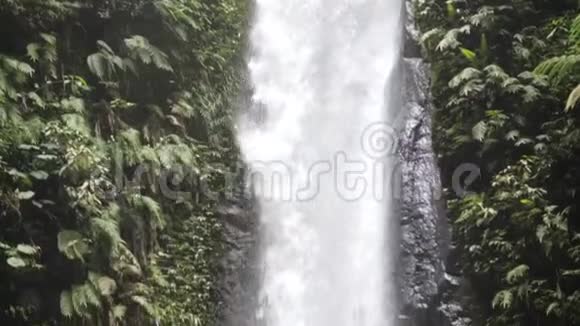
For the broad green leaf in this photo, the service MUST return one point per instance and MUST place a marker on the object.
(72, 244)
(39, 175)
(26, 195)
(467, 53)
(16, 262)
(27, 249)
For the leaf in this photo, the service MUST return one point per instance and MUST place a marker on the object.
(541, 232)
(470, 55)
(119, 312)
(32, 51)
(25, 195)
(141, 49)
(142, 301)
(91, 295)
(512, 135)
(527, 202)
(79, 299)
(517, 273)
(39, 175)
(106, 285)
(66, 304)
(27, 249)
(72, 244)
(16, 262)
(479, 131)
(98, 65)
(503, 299)
(465, 75)
(450, 40)
(573, 99)
(558, 68)
(523, 141)
(575, 272)
(551, 308)
(105, 47)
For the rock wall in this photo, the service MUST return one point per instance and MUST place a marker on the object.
(239, 265)
(429, 291)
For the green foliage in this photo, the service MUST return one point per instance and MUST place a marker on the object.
(505, 86)
(94, 94)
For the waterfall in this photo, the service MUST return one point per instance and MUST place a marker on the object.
(319, 140)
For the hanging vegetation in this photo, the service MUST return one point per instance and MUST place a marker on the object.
(93, 93)
(505, 82)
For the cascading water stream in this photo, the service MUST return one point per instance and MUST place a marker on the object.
(319, 143)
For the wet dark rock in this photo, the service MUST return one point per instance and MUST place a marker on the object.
(239, 268)
(430, 296)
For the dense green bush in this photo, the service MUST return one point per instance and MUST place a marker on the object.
(505, 83)
(90, 92)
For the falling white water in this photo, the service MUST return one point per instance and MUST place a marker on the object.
(318, 142)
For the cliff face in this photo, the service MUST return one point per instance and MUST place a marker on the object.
(429, 292)
(239, 265)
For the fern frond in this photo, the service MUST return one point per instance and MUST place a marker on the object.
(575, 31)
(451, 40)
(530, 94)
(471, 87)
(479, 131)
(484, 18)
(466, 74)
(517, 273)
(558, 68)
(76, 122)
(503, 299)
(79, 300)
(130, 142)
(109, 229)
(427, 36)
(573, 99)
(66, 304)
(149, 206)
(140, 48)
(496, 72)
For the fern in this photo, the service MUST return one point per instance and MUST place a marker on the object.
(141, 49)
(573, 98)
(466, 74)
(80, 302)
(517, 273)
(484, 18)
(479, 131)
(558, 68)
(109, 229)
(503, 299)
(451, 40)
(149, 206)
(427, 36)
(496, 72)
(66, 304)
(574, 37)
(143, 303)
(130, 143)
(105, 63)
